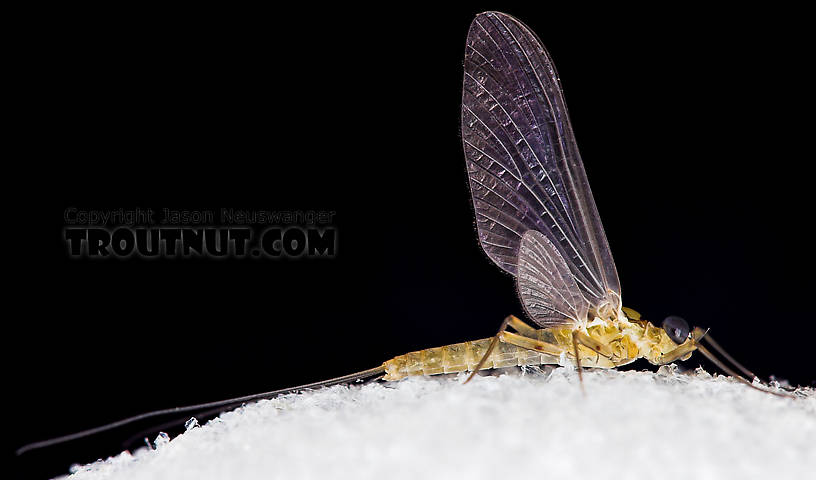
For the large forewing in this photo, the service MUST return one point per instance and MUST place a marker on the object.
(524, 168)
(545, 283)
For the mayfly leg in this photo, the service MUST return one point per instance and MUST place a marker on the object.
(528, 343)
(492, 346)
(525, 340)
(592, 344)
(694, 344)
(728, 357)
(578, 360)
(739, 377)
(684, 349)
(521, 326)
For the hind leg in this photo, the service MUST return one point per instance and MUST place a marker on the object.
(526, 338)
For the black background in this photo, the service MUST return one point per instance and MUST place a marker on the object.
(694, 127)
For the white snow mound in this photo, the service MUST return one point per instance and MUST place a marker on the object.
(533, 424)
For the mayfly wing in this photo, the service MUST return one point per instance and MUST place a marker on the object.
(523, 164)
(545, 283)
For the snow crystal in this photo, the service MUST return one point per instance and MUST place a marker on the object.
(191, 423)
(161, 440)
(533, 424)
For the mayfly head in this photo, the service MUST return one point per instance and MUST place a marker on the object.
(676, 340)
(673, 340)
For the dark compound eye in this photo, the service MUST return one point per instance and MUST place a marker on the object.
(676, 328)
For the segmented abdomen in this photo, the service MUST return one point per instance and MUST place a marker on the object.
(460, 357)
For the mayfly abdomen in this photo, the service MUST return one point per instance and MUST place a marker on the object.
(461, 357)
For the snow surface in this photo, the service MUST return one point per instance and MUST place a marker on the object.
(529, 424)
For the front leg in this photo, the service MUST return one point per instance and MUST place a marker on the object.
(683, 351)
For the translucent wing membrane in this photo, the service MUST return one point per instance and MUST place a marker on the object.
(523, 164)
(545, 284)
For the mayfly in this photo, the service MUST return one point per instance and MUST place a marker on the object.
(536, 219)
